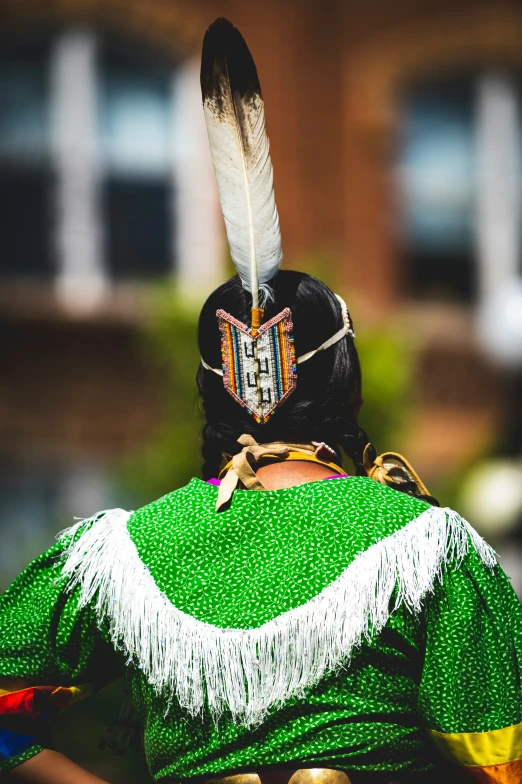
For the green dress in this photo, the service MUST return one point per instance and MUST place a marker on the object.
(335, 624)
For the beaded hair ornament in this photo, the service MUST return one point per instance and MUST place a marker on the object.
(259, 366)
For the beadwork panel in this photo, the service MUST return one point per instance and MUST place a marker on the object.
(259, 367)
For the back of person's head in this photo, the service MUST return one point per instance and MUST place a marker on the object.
(322, 406)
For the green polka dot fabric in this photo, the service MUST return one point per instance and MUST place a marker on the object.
(453, 667)
(472, 626)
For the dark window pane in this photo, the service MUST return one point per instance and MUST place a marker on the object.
(437, 172)
(135, 121)
(24, 227)
(442, 276)
(24, 108)
(138, 227)
(25, 184)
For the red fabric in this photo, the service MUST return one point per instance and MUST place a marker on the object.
(35, 700)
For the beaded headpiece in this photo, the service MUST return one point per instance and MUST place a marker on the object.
(259, 367)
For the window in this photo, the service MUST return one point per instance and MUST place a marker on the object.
(136, 146)
(437, 175)
(86, 158)
(460, 182)
(25, 173)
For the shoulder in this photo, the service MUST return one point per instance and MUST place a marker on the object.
(195, 497)
(358, 514)
(370, 510)
(113, 529)
(343, 493)
(370, 506)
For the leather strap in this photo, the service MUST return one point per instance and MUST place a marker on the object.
(392, 469)
(240, 468)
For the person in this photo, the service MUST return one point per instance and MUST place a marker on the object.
(278, 618)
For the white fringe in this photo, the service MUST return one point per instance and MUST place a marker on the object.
(250, 671)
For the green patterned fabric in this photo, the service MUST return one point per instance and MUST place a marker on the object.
(44, 639)
(269, 552)
(454, 666)
(472, 626)
(17, 759)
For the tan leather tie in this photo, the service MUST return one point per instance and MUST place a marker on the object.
(391, 468)
(241, 469)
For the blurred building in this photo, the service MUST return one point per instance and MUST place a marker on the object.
(396, 135)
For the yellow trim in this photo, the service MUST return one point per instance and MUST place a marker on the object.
(313, 459)
(293, 456)
(77, 692)
(480, 749)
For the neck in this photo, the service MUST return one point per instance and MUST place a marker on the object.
(277, 476)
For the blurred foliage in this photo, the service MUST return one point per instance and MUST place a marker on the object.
(173, 455)
(387, 369)
(169, 339)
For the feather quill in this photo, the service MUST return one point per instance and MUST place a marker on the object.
(235, 118)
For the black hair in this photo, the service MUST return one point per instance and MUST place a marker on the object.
(321, 407)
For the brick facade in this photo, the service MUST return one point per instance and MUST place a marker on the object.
(330, 72)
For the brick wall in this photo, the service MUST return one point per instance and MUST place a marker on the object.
(72, 390)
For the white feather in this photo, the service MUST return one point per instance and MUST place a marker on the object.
(240, 153)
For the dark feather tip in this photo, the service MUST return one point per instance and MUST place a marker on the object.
(226, 59)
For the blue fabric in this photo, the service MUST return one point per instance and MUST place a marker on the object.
(11, 744)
